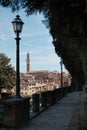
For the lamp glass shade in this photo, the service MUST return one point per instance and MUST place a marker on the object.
(17, 24)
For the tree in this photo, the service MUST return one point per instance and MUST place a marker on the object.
(7, 73)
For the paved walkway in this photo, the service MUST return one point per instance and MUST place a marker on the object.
(59, 116)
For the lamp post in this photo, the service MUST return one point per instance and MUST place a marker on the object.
(17, 26)
(61, 64)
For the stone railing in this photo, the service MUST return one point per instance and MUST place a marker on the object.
(45, 99)
(20, 111)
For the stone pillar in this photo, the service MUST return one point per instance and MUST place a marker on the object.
(57, 94)
(35, 103)
(44, 99)
(63, 91)
(60, 93)
(54, 96)
(50, 97)
(16, 112)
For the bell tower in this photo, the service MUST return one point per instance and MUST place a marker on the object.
(28, 62)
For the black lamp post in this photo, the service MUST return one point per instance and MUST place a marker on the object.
(17, 26)
(61, 64)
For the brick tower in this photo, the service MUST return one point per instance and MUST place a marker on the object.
(28, 62)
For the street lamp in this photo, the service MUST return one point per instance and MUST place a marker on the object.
(61, 64)
(17, 26)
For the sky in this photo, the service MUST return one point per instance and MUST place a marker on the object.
(35, 40)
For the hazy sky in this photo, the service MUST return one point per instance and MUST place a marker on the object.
(35, 40)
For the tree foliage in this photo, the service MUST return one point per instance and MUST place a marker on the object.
(7, 72)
